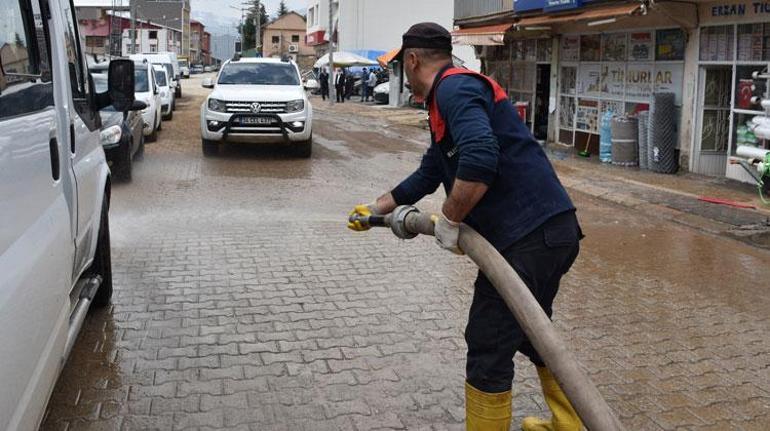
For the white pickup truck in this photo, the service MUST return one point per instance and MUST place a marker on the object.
(54, 198)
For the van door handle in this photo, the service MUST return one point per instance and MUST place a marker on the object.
(72, 138)
(55, 163)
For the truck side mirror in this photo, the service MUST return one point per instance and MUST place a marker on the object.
(120, 84)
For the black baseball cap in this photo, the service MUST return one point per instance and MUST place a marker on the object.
(425, 35)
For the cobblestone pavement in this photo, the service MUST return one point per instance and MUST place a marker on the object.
(242, 302)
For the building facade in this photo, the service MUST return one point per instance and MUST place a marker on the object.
(197, 30)
(285, 37)
(571, 62)
(173, 14)
(358, 24)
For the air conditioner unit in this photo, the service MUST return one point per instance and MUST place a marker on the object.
(294, 48)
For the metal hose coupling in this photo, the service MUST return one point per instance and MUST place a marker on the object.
(398, 221)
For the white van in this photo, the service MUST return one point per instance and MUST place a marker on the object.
(54, 199)
(167, 97)
(169, 61)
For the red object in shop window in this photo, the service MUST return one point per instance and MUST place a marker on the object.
(521, 108)
(744, 93)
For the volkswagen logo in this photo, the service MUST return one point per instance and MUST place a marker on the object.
(256, 107)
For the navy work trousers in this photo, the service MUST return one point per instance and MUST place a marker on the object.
(493, 335)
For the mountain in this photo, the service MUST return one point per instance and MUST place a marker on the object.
(216, 23)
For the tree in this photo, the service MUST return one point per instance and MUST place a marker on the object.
(249, 30)
(282, 9)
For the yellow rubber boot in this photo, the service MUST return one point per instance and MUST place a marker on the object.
(487, 412)
(563, 417)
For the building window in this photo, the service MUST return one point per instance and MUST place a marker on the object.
(295, 38)
(276, 39)
(153, 34)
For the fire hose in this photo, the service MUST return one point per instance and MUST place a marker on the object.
(407, 222)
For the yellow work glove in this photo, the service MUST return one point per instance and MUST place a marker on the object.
(363, 210)
(447, 233)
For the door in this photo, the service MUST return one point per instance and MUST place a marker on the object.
(542, 93)
(714, 120)
(84, 143)
(36, 242)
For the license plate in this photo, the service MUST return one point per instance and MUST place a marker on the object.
(257, 121)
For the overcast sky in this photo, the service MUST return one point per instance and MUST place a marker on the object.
(222, 7)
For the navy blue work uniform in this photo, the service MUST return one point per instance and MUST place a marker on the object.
(477, 135)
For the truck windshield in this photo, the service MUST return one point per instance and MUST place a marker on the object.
(184, 63)
(160, 78)
(259, 74)
(141, 81)
(169, 69)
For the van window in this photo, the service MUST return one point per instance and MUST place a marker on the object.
(160, 78)
(79, 81)
(25, 73)
(141, 81)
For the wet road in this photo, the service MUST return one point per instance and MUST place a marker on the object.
(242, 302)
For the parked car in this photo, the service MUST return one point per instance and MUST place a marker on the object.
(196, 69)
(257, 100)
(208, 69)
(167, 96)
(122, 135)
(382, 93)
(148, 92)
(54, 199)
(184, 68)
(169, 61)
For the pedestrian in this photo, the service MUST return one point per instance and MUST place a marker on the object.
(364, 88)
(370, 83)
(350, 83)
(339, 85)
(498, 181)
(324, 78)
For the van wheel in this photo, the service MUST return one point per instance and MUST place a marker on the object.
(154, 135)
(103, 260)
(304, 149)
(179, 91)
(210, 148)
(160, 122)
(123, 164)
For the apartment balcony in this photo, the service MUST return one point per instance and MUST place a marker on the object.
(470, 9)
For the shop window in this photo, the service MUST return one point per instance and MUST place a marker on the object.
(640, 46)
(587, 116)
(566, 113)
(568, 80)
(716, 43)
(743, 83)
(544, 50)
(614, 106)
(669, 45)
(570, 48)
(590, 47)
(750, 42)
(614, 47)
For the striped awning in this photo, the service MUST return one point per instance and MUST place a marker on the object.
(487, 35)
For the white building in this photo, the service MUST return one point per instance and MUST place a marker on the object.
(363, 25)
(154, 39)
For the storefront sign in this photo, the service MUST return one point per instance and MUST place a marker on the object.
(548, 5)
(557, 5)
(734, 11)
(613, 80)
(644, 78)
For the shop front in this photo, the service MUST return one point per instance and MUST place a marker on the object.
(733, 43)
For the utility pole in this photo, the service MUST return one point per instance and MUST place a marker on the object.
(330, 36)
(258, 29)
(133, 27)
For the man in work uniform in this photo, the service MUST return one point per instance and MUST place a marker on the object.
(498, 181)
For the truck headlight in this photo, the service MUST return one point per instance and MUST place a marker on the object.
(111, 135)
(217, 105)
(295, 105)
